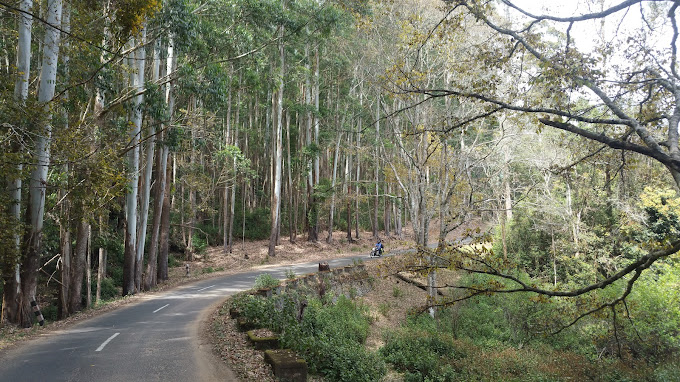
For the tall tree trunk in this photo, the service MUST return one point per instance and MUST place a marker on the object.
(291, 222)
(316, 130)
(66, 253)
(164, 236)
(159, 196)
(278, 155)
(336, 159)
(376, 155)
(164, 228)
(98, 107)
(311, 215)
(78, 267)
(38, 182)
(101, 269)
(386, 214)
(12, 283)
(227, 142)
(162, 175)
(65, 229)
(237, 120)
(348, 183)
(146, 182)
(88, 267)
(397, 215)
(358, 173)
(130, 256)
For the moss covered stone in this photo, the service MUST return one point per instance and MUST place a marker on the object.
(287, 366)
(263, 343)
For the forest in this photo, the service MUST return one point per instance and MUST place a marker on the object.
(138, 133)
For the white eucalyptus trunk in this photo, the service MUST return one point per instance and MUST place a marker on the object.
(146, 182)
(38, 181)
(12, 286)
(278, 155)
(130, 259)
(336, 159)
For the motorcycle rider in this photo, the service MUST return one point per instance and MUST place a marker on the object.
(379, 248)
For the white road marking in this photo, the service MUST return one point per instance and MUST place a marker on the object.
(202, 289)
(155, 311)
(107, 342)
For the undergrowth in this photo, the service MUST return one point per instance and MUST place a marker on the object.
(329, 336)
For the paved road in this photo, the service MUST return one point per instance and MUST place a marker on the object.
(155, 339)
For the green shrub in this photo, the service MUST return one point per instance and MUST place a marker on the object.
(199, 243)
(266, 280)
(329, 337)
(668, 372)
(49, 312)
(257, 225)
(421, 354)
(108, 291)
(173, 261)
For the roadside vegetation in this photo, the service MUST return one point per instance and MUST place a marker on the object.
(508, 337)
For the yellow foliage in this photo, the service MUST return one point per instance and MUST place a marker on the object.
(131, 14)
(663, 200)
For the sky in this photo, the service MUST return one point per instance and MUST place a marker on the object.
(587, 34)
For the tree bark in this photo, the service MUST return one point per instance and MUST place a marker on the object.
(12, 283)
(358, 173)
(101, 268)
(164, 228)
(162, 273)
(88, 267)
(78, 267)
(376, 156)
(37, 188)
(278, 154)
(151, 278)
(130, 256)
(146, 189)
(292, 223)
(336, 159)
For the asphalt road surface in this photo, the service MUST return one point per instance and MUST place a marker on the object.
(156, 339)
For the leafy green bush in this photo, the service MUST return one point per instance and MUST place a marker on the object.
(210, 233)
(329, 337)
(290, 274)
(422, 352)
(655, 308)
(109, 290)
(49, 312)
(266, 280)
(257, 224)
(199, 243)
(257, 311)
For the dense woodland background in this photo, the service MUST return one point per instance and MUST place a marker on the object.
(133, 129)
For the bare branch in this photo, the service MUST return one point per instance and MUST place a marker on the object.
(585, 17)
(659, 155)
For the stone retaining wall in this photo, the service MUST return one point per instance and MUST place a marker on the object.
(350, 281)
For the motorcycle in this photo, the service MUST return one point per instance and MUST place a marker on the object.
(375, 252)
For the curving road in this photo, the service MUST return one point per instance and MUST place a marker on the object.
(155, 339)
